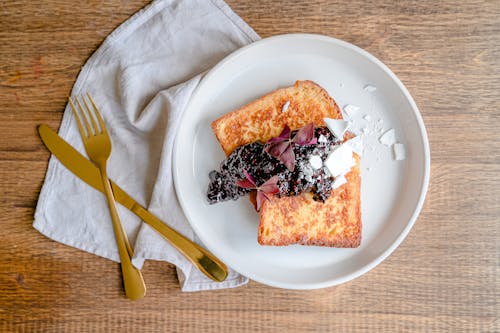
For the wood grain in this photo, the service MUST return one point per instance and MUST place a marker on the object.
(443, 278)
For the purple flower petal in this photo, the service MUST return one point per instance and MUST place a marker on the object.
(270, 186)
(250, 178)
(245, 183)
(284, 135)
(277, 148)
(305, 136)
(266, 190)
(248, 183)
(288, 158)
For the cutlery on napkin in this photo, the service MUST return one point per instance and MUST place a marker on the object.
(142, 76)
(86, 171)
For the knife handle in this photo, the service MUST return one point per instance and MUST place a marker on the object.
(201, 258)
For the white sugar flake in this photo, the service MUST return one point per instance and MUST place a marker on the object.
(337, 127)
(338, 181)
(399, 151)
(388, 138)
(316, 162)
(340, 161)
(285, 106)
(356, 145)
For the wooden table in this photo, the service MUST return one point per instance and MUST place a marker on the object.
(445, 275)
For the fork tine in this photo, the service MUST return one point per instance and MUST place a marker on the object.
(77, 117)
(84, 116)
(98, 114)
(91, 116)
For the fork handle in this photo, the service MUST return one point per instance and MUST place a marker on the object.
(135, 288)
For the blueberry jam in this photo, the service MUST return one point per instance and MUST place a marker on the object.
(262, 166)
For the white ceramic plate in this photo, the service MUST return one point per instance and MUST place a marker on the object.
(392, 191)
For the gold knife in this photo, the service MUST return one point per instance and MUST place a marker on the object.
(86, 171)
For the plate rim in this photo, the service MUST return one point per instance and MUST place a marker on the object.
(423, 188)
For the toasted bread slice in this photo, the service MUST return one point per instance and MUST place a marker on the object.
(298, 219)
(301, 220)
(265, 118)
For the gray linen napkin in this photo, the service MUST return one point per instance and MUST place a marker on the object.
(142, 78)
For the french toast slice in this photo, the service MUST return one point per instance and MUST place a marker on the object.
(296, 219)
(265, 117)
(301, 220)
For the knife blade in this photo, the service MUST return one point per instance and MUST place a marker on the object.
(89, 173)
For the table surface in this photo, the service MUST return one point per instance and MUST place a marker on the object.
(444, 276)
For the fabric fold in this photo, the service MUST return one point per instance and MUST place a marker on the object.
(142, 78)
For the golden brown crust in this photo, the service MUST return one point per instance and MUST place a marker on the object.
(263, 118)
(299, 219)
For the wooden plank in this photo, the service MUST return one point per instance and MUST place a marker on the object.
(445, 275)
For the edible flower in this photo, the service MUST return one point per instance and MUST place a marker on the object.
(281, 147)
(269, 188)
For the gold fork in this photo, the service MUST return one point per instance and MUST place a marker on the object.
(98, 146)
